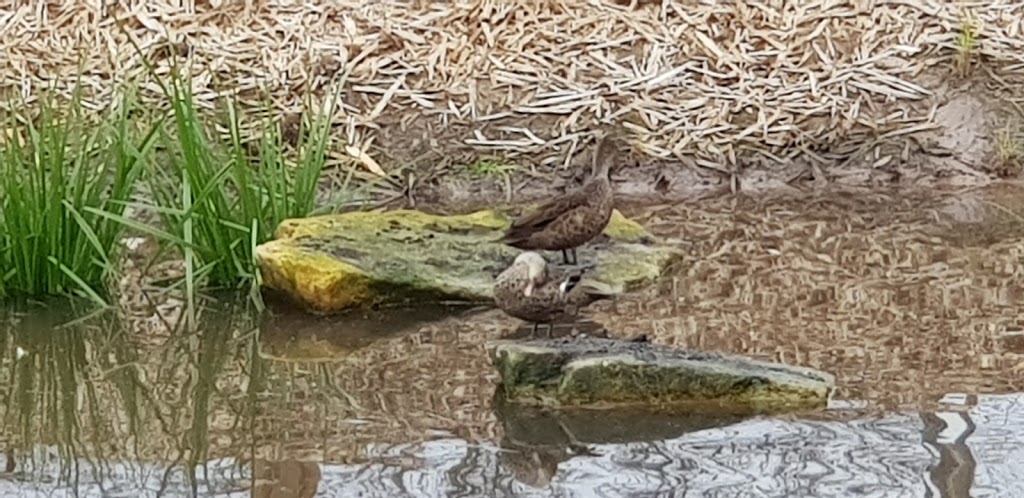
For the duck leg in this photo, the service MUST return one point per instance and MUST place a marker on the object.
(574, 262)
(565, 256)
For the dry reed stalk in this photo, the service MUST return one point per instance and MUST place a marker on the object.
(705, 80)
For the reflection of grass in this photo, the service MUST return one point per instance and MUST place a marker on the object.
(90, 389)
(58, 394)
(213, 349)
(966, 44)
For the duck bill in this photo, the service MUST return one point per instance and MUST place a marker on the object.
(528, 291)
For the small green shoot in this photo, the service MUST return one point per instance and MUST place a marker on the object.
(1008, 151)
(488, 168)
(966, 44)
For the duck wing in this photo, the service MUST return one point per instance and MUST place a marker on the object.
(543, 215)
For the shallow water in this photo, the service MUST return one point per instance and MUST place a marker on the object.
(912, 301)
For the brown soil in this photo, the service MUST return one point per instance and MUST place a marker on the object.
(972, 125)
(714, 97)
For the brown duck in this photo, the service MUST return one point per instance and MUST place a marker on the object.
(526, 291)
(567, 222)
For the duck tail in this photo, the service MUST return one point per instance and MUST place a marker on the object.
(598, 290)
(574, 285)
(570, 283)
(513, 237)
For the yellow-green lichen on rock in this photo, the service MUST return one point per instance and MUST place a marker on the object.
(595, 372)
(333, 262)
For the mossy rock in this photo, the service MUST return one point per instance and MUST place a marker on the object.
(334, 262)
(595, 372)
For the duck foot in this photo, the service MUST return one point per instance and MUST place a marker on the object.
(549, 328)
(565, 256)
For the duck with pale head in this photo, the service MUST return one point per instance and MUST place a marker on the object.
(527, 291)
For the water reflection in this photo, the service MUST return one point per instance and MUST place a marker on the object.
(877, 456)
(536, 440)
(902, 295)
(89, 411)
(290, 333)
(88, 405)
(904, 299)
(945, 435)
(285, 479)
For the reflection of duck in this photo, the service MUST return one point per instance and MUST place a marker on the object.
(946, 433)
(567, 222)
(526, 291)
(536, 465)
(531, 467)
(11, 462)
(285, 479)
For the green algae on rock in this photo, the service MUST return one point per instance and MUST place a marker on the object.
(334, 262)
(597, 372)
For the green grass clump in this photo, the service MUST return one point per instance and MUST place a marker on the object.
(490, 168)
(67, 176)
(966, 44)
(219, 196)
(1009, 151)
(59, 170)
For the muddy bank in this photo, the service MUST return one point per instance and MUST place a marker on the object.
(970, 141)
(446, 98)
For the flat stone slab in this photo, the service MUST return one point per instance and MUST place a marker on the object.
(334, 262)
(596, 372)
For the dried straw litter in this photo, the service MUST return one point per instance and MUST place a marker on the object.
(708, 81)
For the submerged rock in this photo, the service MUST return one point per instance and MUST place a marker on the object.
(330, 263)
(598, 372)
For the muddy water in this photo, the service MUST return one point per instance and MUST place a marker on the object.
(913, 301)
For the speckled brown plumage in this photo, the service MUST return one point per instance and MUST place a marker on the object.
(567, 222)
(526, 291)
